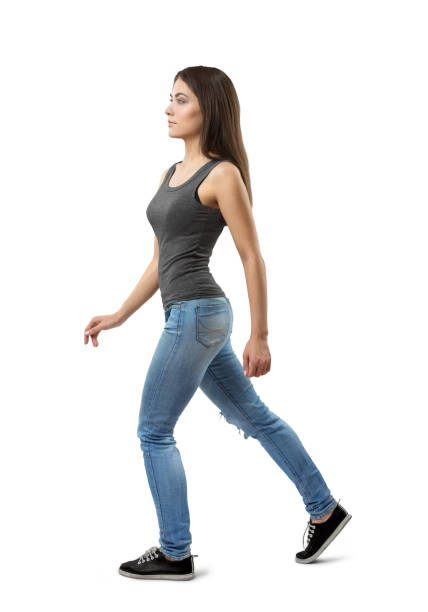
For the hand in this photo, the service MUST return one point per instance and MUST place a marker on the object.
(256, 357)
(96, 324)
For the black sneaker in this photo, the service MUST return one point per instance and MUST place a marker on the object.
(322, 534)
(153, 565)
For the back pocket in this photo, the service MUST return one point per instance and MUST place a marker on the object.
(212, 325)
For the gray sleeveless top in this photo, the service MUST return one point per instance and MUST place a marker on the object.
(187, 231)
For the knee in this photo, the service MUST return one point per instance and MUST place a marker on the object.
(154, 437)
(142, 431)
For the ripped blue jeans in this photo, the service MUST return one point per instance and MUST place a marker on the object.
(194, 351)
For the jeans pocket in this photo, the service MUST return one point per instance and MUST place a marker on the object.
(212, 324)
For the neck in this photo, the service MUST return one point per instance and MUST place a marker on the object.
(193, 156)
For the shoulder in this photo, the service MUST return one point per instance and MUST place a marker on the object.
(227, 172)
(226, 168)
(226, 178)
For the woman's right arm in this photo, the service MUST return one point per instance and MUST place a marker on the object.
(143, 291)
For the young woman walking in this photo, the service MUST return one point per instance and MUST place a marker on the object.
(196, 198)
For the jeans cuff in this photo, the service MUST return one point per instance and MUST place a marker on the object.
(176, 558)
(322, 514)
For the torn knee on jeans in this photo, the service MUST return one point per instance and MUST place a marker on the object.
(244, 433)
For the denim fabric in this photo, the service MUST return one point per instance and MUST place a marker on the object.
(194, 351)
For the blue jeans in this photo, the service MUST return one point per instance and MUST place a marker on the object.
(194, 351)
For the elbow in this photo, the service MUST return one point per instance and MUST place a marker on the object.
(252, 257)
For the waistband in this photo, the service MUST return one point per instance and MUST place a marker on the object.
(202, 301)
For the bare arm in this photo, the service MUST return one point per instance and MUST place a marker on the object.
(234, 203)
(143, 291)
(146, 286)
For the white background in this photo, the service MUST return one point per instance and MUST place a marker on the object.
(334, 117)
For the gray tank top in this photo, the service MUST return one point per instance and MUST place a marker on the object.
(187, 231)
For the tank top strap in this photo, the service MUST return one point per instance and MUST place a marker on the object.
(168, 174)
(206, 169)
(201, 174)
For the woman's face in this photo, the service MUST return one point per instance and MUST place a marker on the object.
(184, 113)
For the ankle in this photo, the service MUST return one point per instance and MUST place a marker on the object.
(323, 519)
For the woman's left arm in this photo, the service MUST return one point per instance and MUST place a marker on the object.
(232, 198)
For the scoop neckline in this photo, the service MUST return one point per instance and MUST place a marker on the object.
(189, 179)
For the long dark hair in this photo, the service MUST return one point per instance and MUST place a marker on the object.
(221, 128)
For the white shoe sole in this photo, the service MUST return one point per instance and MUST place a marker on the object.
(330, 539)
(157, 576)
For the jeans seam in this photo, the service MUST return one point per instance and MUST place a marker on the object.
(165, 366)
(251, 423)
(156, 485)
(148, 415)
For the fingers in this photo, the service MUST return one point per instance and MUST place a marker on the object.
(88, 328)
(87, 334)
(255, 368)
(92, 331)
(263, 367)
(249, 366)
(94, 335)
(246, 364)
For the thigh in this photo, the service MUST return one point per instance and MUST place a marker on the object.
(226, 385)
(192, 336)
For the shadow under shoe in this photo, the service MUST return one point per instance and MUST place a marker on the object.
(153, 565)
(320, 535)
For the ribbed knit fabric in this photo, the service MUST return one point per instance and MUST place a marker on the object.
(187, 231)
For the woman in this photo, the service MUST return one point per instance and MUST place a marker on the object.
(196, 198)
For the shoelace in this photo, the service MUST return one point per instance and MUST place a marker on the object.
(148, 555)
(311, 530)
